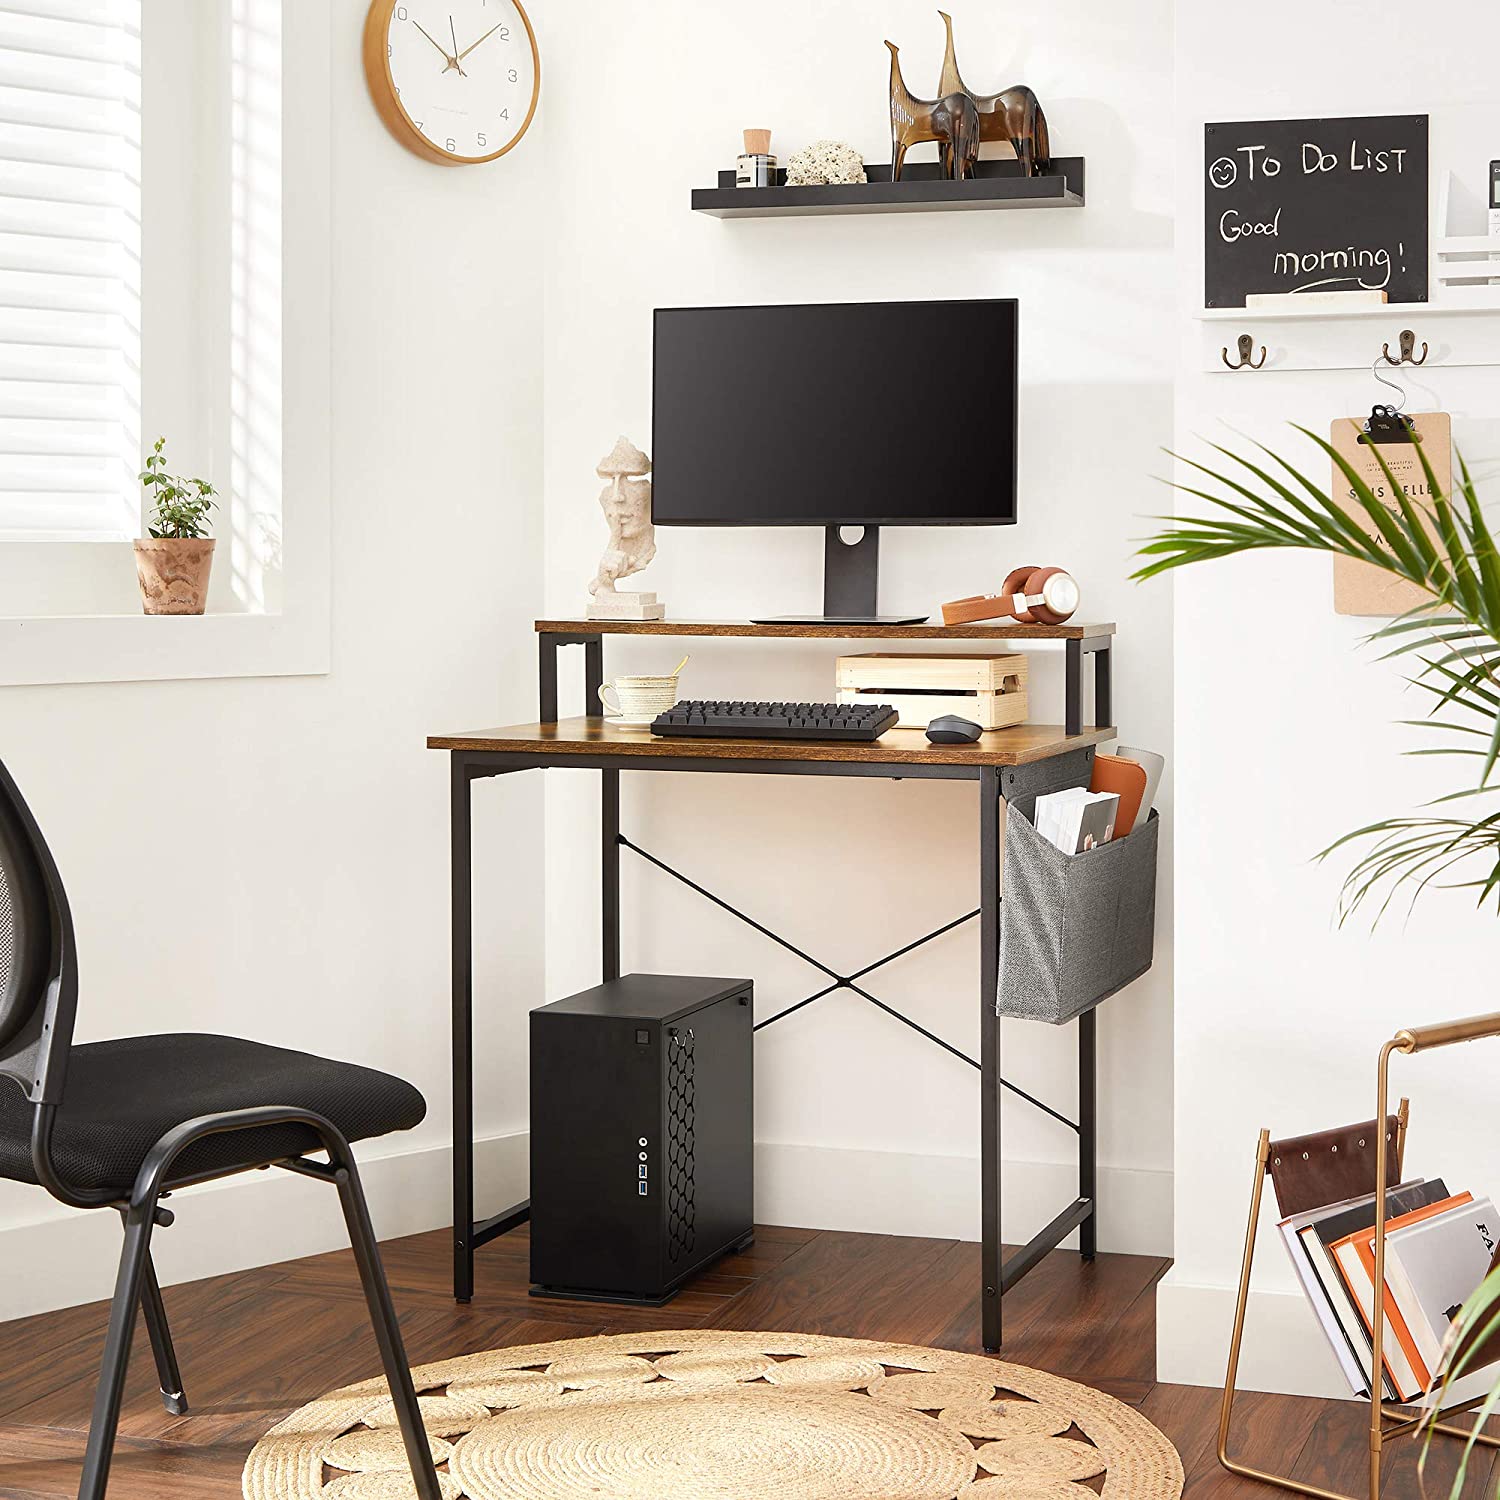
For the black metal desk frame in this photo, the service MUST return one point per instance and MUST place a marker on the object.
(997, 1276)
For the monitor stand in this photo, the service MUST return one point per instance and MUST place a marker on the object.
(851, 581)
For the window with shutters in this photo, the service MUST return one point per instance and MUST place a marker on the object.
(145, 264)
(70, 267)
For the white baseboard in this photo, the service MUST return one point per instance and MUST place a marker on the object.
(1284, 1348)
(890, 1192)
(66, 1258)
(69, 1257)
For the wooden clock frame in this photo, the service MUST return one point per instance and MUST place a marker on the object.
(388, 106)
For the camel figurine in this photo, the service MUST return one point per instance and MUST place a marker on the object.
(1013, 115)
(952, 121)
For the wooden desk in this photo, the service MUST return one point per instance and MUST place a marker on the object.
(602, 743)
(1003, 763)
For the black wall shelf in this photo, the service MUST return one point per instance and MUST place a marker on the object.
(922, 189)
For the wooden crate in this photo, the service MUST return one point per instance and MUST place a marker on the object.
(990, 690)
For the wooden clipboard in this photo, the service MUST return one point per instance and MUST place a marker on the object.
(1360, 588)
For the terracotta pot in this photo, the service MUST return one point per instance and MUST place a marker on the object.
(174, 573)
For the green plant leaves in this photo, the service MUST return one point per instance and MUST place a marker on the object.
(1454, 643)
(1263, 501)
(179, 507)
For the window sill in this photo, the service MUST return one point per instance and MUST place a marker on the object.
(158, 648)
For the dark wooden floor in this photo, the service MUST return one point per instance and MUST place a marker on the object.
(257, 1344)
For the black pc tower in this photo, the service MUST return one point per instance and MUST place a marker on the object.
(642, 1096)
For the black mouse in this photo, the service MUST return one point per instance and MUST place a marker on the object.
(949, 729)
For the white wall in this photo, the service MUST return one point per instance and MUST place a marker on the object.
(269, 857)
(1286, 740)
(861, 1124)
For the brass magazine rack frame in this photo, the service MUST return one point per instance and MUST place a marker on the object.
(1387, 1421)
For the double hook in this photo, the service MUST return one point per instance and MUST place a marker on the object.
(1406, 345)
(1406, 342)
(1245, 344)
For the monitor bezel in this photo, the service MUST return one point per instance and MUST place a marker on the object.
(1013, 303)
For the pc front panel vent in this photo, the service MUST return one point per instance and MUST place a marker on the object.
(681, 1115)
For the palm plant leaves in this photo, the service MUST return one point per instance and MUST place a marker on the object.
(1452, 643)
(1261, 500)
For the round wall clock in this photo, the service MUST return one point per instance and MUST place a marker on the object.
(456, 81)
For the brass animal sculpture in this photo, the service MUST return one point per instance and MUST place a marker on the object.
(952, 121)
(1012, 115)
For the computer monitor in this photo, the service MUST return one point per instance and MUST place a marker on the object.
(836, 415)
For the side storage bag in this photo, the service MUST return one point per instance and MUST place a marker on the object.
(1073, 928)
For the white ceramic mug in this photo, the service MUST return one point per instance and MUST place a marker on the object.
(638, 699)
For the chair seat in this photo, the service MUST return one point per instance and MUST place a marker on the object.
(123, 1096)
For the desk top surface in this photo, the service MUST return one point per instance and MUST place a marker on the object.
(1018, 746)
(983, 630)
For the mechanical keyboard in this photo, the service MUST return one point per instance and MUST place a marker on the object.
(775, 721)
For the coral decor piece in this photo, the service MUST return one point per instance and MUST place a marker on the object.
(825, 164)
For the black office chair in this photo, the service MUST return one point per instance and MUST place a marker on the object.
(145, 1115)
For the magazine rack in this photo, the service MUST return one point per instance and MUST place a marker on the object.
(1309, 1171)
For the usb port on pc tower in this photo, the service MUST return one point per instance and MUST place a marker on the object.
(641, 1188)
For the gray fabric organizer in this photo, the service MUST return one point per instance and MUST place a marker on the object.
(1073, 928)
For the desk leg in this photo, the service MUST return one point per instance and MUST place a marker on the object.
(1073, 688)
(609, 873)
(989, 1031)
(463, 1031)
(1088, 1130)
(1103, 706)
(546, 677)
(593, 674)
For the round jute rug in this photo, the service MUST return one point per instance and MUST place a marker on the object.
(725, 1416)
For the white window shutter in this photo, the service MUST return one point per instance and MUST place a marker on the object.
(70, 268)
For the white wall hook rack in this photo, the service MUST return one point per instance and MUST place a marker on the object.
(1444, 335)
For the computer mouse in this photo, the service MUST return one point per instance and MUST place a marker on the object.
(949, 729)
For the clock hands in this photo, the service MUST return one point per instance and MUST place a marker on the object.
(472, 45)
(452, 62)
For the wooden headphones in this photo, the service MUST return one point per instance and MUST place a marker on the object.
(1032, 595)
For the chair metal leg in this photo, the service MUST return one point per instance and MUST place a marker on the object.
(135, 1269)
(134, 1260)
(387, 1328)
(169, 1376)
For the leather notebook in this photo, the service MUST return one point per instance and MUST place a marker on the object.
(1127, 780)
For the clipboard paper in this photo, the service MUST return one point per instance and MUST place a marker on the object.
(1360, 588)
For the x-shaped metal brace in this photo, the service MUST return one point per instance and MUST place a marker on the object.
(847, 981)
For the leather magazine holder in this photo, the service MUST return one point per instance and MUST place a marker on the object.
(1311, 1171)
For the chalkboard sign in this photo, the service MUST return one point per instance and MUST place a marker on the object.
(1315, 206)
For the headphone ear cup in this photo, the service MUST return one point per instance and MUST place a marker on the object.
(1037, 583)
(1015, 583)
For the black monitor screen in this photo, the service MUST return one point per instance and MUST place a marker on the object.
(882, 413)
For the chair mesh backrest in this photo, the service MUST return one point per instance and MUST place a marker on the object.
(25, 924)
(7, 934)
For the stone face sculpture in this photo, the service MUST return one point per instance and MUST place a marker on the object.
(626, 503)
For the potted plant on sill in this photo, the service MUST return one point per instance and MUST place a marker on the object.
(1259, 502)
(173, 562)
